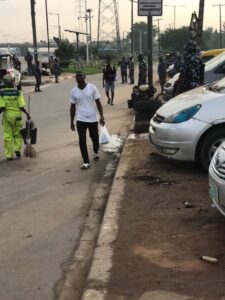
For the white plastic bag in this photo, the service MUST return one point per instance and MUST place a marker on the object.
(104, 137)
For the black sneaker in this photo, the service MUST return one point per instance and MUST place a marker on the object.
(18, 154)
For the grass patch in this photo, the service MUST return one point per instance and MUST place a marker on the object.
(86, 70)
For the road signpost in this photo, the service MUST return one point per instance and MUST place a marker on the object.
(150, 8)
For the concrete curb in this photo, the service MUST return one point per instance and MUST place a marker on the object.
(99, 274)
(81, 260)
(31, 82)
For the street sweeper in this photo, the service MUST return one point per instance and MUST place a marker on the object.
(12, 104)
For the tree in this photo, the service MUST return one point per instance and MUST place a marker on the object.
(173, 40)
(140, 37)
(65, 50)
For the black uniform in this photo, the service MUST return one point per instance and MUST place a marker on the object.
(191, 69)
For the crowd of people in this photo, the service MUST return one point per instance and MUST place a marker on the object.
(189, 66)
(85, 97)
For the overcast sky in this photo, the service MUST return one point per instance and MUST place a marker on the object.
(15, 17)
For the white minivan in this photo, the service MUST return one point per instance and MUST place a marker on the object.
(7, 67)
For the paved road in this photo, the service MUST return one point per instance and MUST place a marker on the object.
(44, 202)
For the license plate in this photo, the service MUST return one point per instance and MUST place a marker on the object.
(213, 191)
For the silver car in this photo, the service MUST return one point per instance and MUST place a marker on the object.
(191, 126)
(217, 179)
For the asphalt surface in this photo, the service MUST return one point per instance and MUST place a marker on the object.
(45, 202)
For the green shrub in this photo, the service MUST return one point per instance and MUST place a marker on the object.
(64, 63)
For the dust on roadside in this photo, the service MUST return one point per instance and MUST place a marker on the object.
(160, 237)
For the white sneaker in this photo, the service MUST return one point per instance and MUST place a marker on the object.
(85, 166)
(96, 156)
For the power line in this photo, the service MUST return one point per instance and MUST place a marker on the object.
(220, 18)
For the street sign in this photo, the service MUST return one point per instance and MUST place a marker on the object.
(150, 7)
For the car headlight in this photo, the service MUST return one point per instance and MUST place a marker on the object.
(183, 115)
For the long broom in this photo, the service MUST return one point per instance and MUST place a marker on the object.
(29, 150)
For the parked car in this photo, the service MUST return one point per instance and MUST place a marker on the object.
(170, 58)
(7, 67)
(191, 126)
(209, 54)
(217, 179)
(214, 70)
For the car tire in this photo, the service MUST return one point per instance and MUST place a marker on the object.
(209, 145)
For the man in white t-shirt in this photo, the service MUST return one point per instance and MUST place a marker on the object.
(84, 99)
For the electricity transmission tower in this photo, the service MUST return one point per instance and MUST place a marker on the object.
(80, 12)
(108, 24)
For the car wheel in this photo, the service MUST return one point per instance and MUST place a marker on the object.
(209, 145)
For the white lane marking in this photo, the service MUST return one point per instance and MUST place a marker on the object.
(43, 87)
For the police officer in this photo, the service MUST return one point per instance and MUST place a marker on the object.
(12, 105)
(191, 69)
(142, 75)
(162, 73)
(123, 69)
(131, 70)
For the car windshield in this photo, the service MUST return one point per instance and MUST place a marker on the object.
(218, 86)
(212, 63)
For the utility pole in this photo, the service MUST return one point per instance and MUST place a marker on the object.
(132, 28)
(174, 13)
(200, 21)
(221, 37)
(46, 12)
(159, 48)
(32, 5)
(150, 69)
(90, 34)
(59, 28)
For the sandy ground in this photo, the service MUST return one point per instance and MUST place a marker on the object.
(160, 240)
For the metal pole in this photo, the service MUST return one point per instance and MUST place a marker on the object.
(89, 12)
(200, 21)
(46, 11)
(32, 4)
(150, 70)
(132, 27)
(221, 42)
(77, 36)
(159, 48)
(87, 45)
(59, 27)
(174, 16)
(220, 5)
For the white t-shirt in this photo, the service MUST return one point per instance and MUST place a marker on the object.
(85, 102)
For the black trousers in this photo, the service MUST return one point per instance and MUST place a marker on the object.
(93, 133)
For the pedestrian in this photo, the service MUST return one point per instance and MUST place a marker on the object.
(142, 70)
(131, 70)
(37, 74)
(123, 70)
(109, 76)
(57, 70)
(12, 104)
(191, 69)
(29, 58)
(84, 99)
(162, 73)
